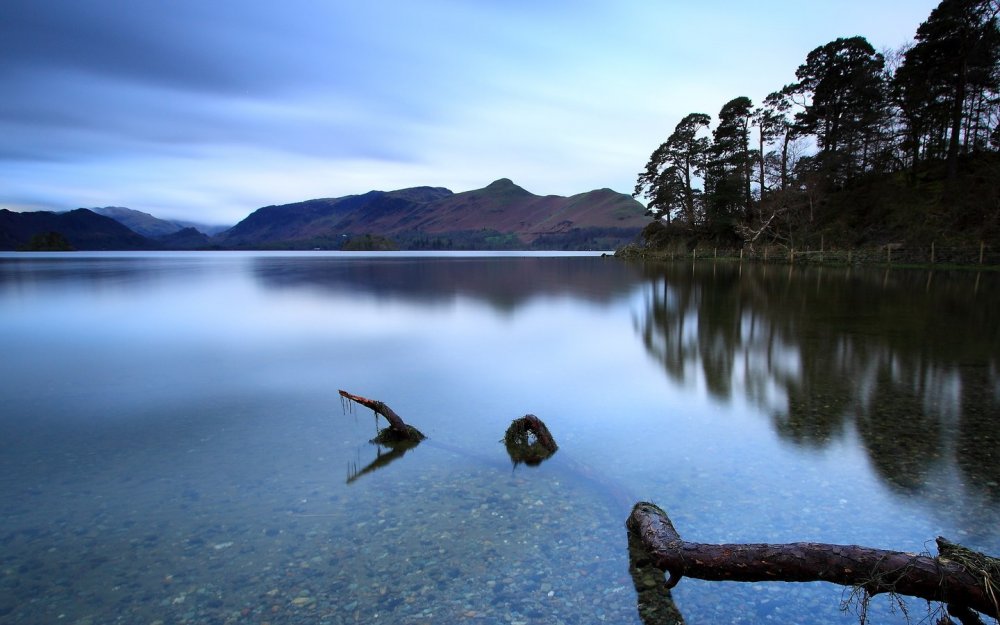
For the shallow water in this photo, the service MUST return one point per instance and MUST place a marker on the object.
(173, 448)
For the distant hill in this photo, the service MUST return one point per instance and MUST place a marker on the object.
(185, 239)
(150, 226)
(499, 216)
(82, 229)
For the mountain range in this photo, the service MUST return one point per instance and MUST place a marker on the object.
(501, 215)
(154, 227)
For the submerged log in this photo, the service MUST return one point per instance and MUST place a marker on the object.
(528, 440)
(398, 430)
(874, 571)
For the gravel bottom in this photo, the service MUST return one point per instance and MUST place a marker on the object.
(481, 545)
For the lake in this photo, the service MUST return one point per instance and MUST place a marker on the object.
(173, 447)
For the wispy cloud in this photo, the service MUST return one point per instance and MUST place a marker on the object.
(208, 110)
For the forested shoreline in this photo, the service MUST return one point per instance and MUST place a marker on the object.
(866, 148)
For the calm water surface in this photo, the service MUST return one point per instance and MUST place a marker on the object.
(173, 448)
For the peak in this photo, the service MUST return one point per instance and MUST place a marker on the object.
(504, 185)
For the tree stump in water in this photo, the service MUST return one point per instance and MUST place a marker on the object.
(962, 579)
(655, 603)
(399, 437)
(397, 432)
(529, 441)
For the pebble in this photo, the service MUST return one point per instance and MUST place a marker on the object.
(406, 558)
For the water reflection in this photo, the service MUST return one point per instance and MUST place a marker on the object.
(95, 272)
(175, 417)
(505, 285)
(907, 361)
(392, 452)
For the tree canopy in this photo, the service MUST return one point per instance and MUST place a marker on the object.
(915, 129)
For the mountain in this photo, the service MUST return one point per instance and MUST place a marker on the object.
(81, 229)
(185, 239)
(137, 221)
(500, 216)
(209, 229)
(150, 226)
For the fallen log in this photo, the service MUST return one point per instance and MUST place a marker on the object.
(944, 579)
(397, 431)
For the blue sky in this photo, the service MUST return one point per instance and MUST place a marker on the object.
(207, 110)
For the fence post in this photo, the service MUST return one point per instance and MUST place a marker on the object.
(932, 252)
(888, 252)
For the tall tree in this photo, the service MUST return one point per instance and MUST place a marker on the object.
(728, 173)
(668, 181)
(947, 85)
(773, 126)
(845, 81)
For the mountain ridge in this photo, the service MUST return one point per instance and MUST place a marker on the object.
(153, 227)
(82, 229)
(501, 215)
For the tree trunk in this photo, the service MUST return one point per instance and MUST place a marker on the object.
(873, 570)
(761, 162)
(957, 107)
(784, 159)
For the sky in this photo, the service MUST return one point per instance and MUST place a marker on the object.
(207, 110)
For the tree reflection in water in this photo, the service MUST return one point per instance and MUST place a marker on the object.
(909, 360)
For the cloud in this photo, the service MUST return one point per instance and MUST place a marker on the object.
(208, 110)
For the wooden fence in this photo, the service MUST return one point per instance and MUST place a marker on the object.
(892, 254)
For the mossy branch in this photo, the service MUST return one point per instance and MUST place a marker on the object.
(397, 431)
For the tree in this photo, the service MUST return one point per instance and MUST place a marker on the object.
(948, 82)
(728, 173)
(773, 125)
(668, 181)
(48, 242)
(845, 81)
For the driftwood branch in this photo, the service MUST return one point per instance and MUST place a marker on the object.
(398, 429)
(873, 570)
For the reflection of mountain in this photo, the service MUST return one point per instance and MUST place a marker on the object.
(504, 282)
(70, 271)
(909, 360)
